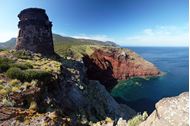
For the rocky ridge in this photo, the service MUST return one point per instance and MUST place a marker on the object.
(67, 94)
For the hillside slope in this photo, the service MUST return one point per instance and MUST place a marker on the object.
(59, 40)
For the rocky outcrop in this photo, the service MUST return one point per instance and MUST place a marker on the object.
(111, 64)
(87, 97)
(35, 32)
(68, 95)
(173, 111)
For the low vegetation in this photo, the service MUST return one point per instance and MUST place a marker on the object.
(22, 70)
(135, 121)
(27, 75)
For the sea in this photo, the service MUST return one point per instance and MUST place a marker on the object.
(142, 94)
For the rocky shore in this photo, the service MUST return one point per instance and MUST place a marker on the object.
(41, 88)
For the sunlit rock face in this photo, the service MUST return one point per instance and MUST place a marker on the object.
(173, 111)
(35, 32)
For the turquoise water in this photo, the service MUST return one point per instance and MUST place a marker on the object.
(141, 94)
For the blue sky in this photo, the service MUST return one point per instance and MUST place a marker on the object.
(127, 22)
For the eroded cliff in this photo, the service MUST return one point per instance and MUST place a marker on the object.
(111, 64)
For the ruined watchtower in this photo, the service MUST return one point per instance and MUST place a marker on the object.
(35, 32)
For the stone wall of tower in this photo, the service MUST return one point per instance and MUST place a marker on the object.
(35, 32)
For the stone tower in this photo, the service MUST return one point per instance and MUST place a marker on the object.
(35, 32)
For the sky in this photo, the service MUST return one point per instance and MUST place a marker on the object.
(126, 22)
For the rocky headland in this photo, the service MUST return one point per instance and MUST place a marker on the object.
(108, 65)
(70, 88)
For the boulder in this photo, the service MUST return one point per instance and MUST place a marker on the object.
(173, 111)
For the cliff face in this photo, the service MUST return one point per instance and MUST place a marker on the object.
(111, 64)
(173, 111)
(65, 97)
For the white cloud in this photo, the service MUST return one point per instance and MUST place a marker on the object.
(6, 35)
(94, 37)
(159, 36)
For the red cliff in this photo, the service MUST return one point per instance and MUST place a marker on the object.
(111, 64)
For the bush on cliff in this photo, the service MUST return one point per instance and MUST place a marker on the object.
(4, 67)
(15, 73)
(5, 60)
(22, 66)
(27, 75)
(22, 54)
(36, 74)
(4, 64)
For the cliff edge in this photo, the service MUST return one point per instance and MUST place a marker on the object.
(173, 111)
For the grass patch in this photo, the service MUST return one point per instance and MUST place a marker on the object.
(135, 121)
(5, 60)
(23, 54)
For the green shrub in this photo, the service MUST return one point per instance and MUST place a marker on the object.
(27, 75)
(15, 73)
(4, 67)
(4, 64)
(5, 60)
(36, 74)
(22, 66)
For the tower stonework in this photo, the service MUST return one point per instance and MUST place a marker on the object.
(35, 32)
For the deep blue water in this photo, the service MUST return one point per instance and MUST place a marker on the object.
(141, 94)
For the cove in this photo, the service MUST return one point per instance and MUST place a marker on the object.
(142, 94)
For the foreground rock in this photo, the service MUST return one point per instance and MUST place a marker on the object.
(111, 64)
(172, 111)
